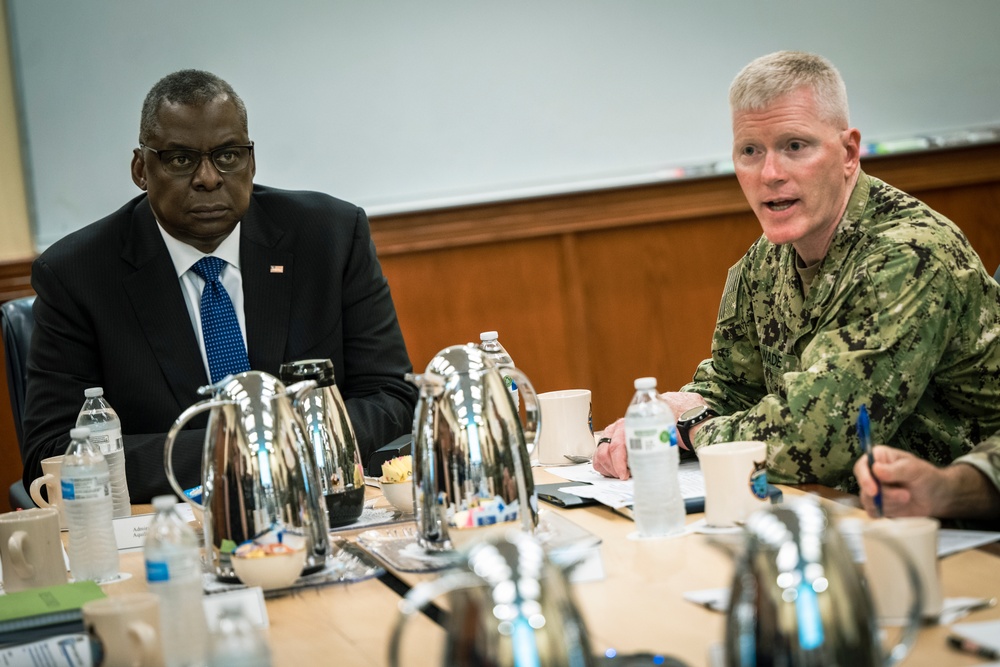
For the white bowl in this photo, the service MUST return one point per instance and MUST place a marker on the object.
(270, 572)
(399, 494)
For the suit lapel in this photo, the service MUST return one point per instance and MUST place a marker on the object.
(159, 307)
(267, 289)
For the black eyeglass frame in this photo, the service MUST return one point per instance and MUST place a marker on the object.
(201, 155)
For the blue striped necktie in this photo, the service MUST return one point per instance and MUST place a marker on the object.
(221, 330)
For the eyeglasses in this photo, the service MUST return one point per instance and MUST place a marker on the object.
(184, 162)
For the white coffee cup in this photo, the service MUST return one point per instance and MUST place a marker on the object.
(567, 427)
(128, 627)
(888, 578)
(735, 481)
(31, 549)
(50, 479)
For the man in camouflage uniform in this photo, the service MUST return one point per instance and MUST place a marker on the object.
(857, 293)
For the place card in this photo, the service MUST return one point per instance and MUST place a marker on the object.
(130, 531)
(249, 600)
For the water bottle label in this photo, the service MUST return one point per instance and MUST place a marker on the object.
(648, 439)
(107, 441)
(157, 571)
(85, 488)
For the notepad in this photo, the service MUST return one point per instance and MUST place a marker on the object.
(40, 612)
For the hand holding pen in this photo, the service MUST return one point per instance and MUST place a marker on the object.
(865, 436)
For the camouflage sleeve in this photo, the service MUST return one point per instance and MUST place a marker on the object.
(877, 341)
(985, 457)
(732, 380)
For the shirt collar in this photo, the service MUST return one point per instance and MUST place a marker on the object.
(185, 256)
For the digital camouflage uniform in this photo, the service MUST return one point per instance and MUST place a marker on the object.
(901, 316)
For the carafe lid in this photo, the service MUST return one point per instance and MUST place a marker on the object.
(320, 370)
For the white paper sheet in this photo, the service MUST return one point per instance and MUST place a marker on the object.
(952, 541)
(617, 493)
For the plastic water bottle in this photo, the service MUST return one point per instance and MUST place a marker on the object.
(173, 572)
(651, 435)
(93, 552)
(106, 433)
(490, 344)
(237, 643)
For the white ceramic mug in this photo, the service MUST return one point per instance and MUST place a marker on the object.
(128, 628)
(31, 549)
(50, 479)
(887, 575)
(735, 481)
(567, 426)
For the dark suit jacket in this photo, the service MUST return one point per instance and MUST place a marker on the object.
(110, 313)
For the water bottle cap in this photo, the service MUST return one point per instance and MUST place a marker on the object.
(645, 383)
(79, 433)
(93, 392)
(164, 502)
(488, 335)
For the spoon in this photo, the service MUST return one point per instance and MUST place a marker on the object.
(577, 459)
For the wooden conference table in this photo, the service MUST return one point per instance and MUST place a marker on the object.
(637, 607)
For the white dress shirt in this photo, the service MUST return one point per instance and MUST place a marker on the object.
(184, 257)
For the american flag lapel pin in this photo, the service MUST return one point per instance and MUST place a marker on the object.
(277, 268)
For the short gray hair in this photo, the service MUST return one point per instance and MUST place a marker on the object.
(190, 87)
(769, 77)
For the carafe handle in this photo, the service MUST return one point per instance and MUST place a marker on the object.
(532, 428)
(532, 425)
(419, 597)
(168, 445)
(909, 636)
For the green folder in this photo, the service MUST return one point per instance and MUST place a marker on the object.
(41, 612)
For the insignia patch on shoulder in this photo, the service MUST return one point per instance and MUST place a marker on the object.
(727, 309)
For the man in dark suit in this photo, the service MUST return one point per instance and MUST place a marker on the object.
(118, 301)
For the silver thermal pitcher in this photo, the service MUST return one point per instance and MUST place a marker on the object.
(508, 605)
(799, 599)
(329, 430)
(258, 472)
(471, 473)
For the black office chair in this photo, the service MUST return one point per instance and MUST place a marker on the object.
(17, 320)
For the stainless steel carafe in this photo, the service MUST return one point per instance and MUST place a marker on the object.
(799, 599)
(258, 472)
(508, 605)
(471, 471)
(329, 430)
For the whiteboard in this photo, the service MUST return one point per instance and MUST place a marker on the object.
(402, 105)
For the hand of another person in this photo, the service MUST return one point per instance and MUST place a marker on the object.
(611, 458)
(910, 485)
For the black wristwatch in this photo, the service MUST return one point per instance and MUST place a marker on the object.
(691, 417)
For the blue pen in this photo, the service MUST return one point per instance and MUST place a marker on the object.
(865, 436)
